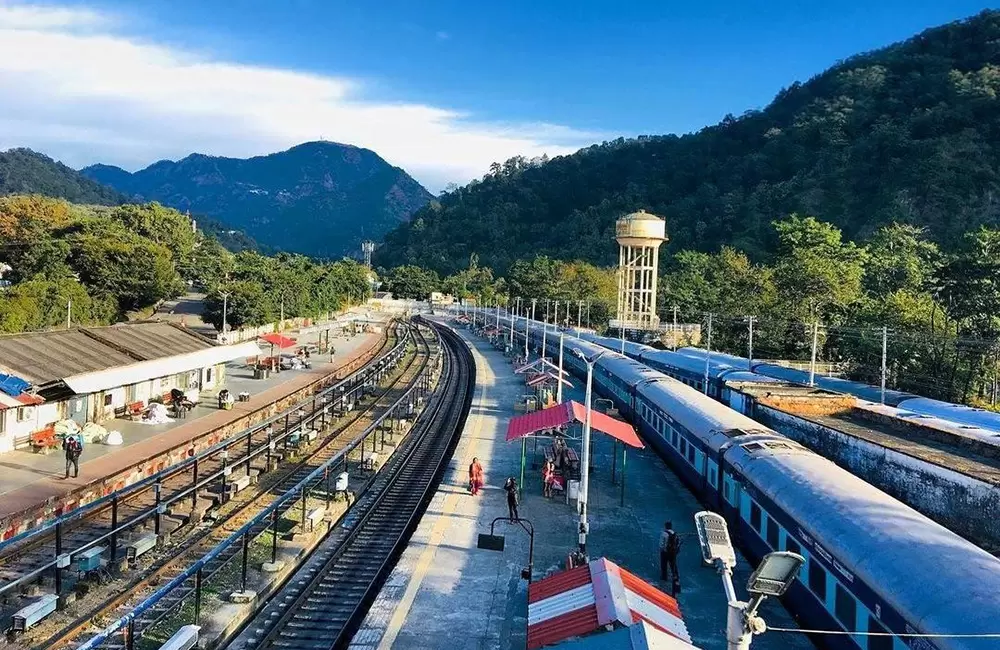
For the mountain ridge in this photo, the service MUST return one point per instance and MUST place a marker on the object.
(25, 171)
(317, 198)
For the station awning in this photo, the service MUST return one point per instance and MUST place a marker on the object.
(93, 382)
(575, 608)
(561, 414)
(278, 340)
(543, 377)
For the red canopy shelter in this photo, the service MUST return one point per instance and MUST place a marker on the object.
(561, 414)
(523, 426)
(278, 340)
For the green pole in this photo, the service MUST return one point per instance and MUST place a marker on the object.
(520, 486)
(614, 459)
(624, 453)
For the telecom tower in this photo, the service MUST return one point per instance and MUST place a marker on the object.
(639, 236)
(368, 247)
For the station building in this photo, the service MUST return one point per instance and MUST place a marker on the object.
(94, 374)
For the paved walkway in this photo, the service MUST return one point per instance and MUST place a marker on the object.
(446, 593)
(27, 478)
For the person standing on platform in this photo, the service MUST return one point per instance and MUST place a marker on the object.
(475, 476)
(548, 476)
(510, 487)
(670, 546)
(73, 448)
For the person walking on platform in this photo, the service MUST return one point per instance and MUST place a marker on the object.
(670, 546)
(73, 448)
(510, 487)
(475, 476)
(548, 476)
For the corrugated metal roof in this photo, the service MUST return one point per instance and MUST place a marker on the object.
(596, 597)
(567, 626)
(558, 583)
(44, 357)
(147, 341)
(49, 356)
(567, 412)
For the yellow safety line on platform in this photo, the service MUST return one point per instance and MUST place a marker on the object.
(399, 616)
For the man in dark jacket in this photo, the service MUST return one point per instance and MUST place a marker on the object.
(510, 487)
(73, 449)
(670, 546)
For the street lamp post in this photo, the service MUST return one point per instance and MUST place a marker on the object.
(585, 456)
(559, 386)
(526, 336)
(225, 308)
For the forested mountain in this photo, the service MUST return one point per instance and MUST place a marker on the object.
(909, 133)
(110, 263)
(23, 171)
(318, 198)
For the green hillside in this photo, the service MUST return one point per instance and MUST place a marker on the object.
(909, 133)
(23, 171)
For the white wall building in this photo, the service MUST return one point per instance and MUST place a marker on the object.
(95, 374)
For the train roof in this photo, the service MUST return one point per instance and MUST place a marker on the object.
(883, 542)
(687, 363)
(722, 357)
(864, 391)
(958, 413)
(969, 431)
(747, 377)
(629, 370)
(632, 348)
(710, 421)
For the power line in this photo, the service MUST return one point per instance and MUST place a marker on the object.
(901, 635)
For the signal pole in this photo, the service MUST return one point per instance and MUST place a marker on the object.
(708, 351)
(750, 320)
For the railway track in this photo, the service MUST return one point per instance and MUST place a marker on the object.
(325, 602)
(35, 557)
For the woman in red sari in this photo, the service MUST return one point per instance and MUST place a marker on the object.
(475, 476)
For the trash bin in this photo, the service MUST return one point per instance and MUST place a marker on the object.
(572, 490)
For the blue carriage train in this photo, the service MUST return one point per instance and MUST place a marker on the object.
(873, 564)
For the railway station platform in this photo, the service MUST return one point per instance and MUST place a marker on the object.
(28, 479)
(446, 593)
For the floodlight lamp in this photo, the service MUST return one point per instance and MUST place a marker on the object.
(775, 574)
(713, 538)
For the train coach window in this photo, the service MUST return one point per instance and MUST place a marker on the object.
(675, 438)
(690, 454)
(878, 642)
(792, 546)
(772, 533)
(845, 607)
(684, 447)
(755, 516)
(817, 579)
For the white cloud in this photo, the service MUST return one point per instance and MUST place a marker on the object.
(442, 35)
(76, 86)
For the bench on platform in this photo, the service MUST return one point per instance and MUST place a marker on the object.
(44, 440)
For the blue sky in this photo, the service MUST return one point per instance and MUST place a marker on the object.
(462, 83)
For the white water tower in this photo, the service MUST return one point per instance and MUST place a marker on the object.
(639, 236)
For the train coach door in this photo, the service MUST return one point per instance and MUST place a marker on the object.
(730, 493)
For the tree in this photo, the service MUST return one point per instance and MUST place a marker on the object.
(137, 272)
(818, 275)
(900, 258)
(247, 305)
(412, 282)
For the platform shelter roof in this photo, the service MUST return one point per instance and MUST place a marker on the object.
(278, 341)
(565, 413)
(571, 608)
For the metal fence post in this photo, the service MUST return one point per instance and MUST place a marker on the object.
(114, 527)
